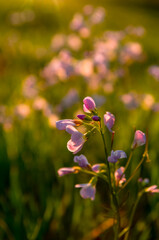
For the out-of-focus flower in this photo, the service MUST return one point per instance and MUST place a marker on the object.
(132, 51)
(144, 181)
(40, 103)
(147, 101)
(29, 87)
(85, 67)
(58, 41)
(71, 98)
(66, 170)
(22, 110)
(77, 22)
(99, 100)
(60, 68)
(84, 32)
(136, 31)
(88, 9)
(109, 120)
(81, 160)
(130, 100)
(98, 15)
(89, 104)
(152, 189)
(88, 190)
(154, 71)
(116, 155)
(77, 140)
(139, 139)
(62, 124)
(52, 119)
(119, 176)
(74, 42)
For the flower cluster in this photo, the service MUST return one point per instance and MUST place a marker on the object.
(93, 121)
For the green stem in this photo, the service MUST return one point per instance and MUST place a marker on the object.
(135, 171)
(129, 159)
(113, 194)
(93, 173)
(132, 214)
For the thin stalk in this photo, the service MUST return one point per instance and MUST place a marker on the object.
(135, 171)
(127, 164)
(129, 159)
(113, 194)
(132, 215)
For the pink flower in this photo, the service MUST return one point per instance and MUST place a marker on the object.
(89, 104)
(81, 160)
(119, 176)
(88, 190)
(152, 189)
(139, 139)
(116, 155)
(109, 120)
(77, 140)
(62, 124)
(66, 170)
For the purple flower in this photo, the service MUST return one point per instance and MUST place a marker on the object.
(96, 167)
(119, 176)
(66, 170)
(109, 120)
(116, 155)
(152, 189)
(88, 190)
(96, 118)
(139, 139)
(77, 140)
(62, 124)
(81, 116)
(81, 160)
(89, 104)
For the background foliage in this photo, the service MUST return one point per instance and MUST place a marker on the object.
(34, 202)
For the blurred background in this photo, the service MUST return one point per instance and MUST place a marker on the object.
(53, 53)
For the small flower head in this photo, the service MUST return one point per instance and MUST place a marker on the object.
(88, 190)
(81, 116)
(96, 167)
(119, 176)
(88, 104)
(96, 118)
(139, 139)
(82, 161)
(62, 124)
(116, 155)
(77, 140)
(152, 189)
(109, 120)
(66, 170)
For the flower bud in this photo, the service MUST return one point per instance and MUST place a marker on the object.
(89, 104)
(139, 139)
(96, 118)
(81, 116)
(109, 120)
